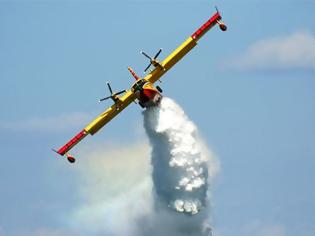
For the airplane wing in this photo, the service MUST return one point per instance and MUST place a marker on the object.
(160, 69)
(99, 122)
(184, 48)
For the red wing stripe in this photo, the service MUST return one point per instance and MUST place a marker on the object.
(206, 26)
(63, 150)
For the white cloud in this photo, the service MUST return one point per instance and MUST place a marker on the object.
(41, 231)
(2, 233)
(295, 51)
(259, 228)
(115, 186)
(51, 232)
(272, 230)
(58, 123)
(253, 228)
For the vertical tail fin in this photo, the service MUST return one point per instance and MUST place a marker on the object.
(133, 73)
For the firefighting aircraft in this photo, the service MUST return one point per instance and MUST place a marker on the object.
(143, 90)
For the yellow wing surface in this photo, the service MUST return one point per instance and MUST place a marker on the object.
(100, 121)
(160, 69)
(110, 113)
(184, 48)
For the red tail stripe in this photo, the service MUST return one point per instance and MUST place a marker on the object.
(133, 73)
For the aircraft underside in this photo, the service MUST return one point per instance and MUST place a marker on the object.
(149, 97)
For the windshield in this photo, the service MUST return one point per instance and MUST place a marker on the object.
(138, 85)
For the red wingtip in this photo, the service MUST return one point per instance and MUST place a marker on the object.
(57, 152)
(70, 158)
(206, 26)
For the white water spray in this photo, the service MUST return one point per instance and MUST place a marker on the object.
(180, 173)
(118, 201)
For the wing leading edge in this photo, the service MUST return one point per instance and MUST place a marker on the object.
(98, 123)
(184, 48)
(160, 69)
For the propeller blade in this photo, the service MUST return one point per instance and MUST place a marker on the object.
(122, 91)
(110, 89)
(146, 55)
(147, 67)
(103, 99)
(158, 53)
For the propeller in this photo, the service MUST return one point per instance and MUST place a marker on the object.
(153, 60)
(113, 96)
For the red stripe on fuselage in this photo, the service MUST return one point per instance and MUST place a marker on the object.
(147, 94)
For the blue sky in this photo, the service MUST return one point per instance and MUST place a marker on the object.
(250, 91)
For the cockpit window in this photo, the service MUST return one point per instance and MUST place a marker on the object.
(138, 85)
